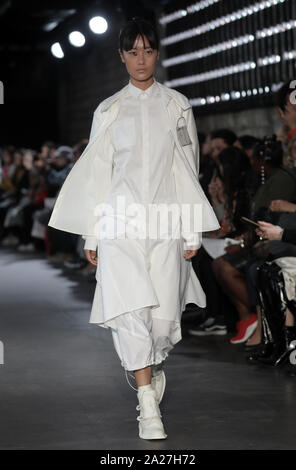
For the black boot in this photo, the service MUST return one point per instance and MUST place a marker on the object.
(290, 346)
(272, 315)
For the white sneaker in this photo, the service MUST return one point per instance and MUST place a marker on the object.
(150, 423)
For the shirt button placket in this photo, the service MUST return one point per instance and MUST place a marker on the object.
(145, 161)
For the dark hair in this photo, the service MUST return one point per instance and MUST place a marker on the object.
(235, 165)
(270, 150)
(282, 95)
(49, 143)
(79, 148)
(201, 137)
(247, 141)
(135, 27)
(9, 149)
(225, 134)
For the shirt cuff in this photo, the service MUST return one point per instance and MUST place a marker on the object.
(192, 241)
(91, 243)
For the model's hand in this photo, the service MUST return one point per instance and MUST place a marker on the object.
(91, 256)
(190, 253)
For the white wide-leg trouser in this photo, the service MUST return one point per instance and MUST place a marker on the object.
(141, 340)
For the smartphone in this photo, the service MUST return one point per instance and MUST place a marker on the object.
(245, 219)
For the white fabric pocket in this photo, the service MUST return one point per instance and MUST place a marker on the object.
(123, 133)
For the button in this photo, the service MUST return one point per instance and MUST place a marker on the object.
(143, 96)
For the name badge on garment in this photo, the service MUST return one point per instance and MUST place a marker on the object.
(182, 132)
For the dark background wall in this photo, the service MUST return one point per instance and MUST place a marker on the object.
(29, 112)
(46, 98)
(85, 80)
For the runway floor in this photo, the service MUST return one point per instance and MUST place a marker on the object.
(62, 385)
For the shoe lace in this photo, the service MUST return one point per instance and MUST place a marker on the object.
(140, 418)
(131, 375)
(126, 374)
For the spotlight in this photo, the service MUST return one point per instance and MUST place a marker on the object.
(57, 51)
(98, 25)
(76, 38)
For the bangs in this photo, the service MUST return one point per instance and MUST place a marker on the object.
(133, 29)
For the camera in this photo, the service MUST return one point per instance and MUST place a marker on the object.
(268, 147)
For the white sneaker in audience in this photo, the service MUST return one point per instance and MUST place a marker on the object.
(209, 327)
(29, 247)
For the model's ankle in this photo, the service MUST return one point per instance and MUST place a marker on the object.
(145, 387)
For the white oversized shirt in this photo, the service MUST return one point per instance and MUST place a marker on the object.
(143, 149)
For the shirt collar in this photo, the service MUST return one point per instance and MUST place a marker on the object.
(136, 92)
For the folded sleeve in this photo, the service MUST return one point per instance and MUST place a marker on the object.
(91, 243)
(192, 240)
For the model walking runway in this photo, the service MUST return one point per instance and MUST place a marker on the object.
(144, 150)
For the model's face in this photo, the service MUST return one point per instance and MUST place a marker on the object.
(140, 61)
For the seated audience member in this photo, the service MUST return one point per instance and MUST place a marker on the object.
(220, 140)
(47, 150)
(60, 165)
(8, 168)
(287, 113)
(204, 151)
(230, 200)
(278, 181)
(78, 149)
(292, 153)
(230, 269)
(35, 198)
(246, 143)
(62, 243)
(279, 249)
(10, 214)
(229, 194)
